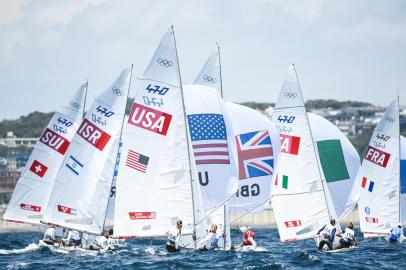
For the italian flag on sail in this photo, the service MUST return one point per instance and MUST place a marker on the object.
(285, 179)
(332, 160)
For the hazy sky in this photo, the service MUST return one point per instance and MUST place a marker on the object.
(346, 50)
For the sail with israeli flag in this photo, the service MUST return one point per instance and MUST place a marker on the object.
(210, 74)
(33, 189)
(339, 162)
(300, 199)
(379, 179)
(156, 183)
(256, 146)
(80, 196)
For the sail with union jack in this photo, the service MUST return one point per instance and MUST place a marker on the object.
(255, 154)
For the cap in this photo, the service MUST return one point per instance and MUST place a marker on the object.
(243, 229)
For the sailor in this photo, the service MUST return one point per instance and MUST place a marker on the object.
(327, 234)
(73, 239)
(172, 245)
(49, 235)
(210, 241)
(248, 236)
(348, 237)
(396, 234)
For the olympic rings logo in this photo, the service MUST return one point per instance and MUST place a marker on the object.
(389, 119)
(74, 105)
(290, 95)
(209, 79)
(164, 62)
(117, 91)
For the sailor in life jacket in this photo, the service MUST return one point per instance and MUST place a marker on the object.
(396, 234)
(210, 241)
(327, 234)
(73, 239)
(172, 244)
(248, 237)
(49, 236)
(348, 237)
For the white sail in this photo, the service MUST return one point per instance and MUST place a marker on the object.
(154, 187)
(33, 189)
(339, 162)
(210, 144)
(402, 179)
(255, 146)
(379, 176)
(210, 75)
(300, 202)
(80, 195)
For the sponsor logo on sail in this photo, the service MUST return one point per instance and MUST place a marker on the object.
(38, 168)
(93, 135)
(67, 210)
(377, 156)
(29, 207)
(371, 219)
(149, 119)
(293, 223)
(142, 215)
(289, 144)
(55, 141)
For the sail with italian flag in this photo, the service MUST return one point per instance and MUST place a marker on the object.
(300, 198)
(156, 183)
(381, 186)
(33, 189)
(80, 196)
(339, 162)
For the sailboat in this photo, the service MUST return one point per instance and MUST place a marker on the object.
(381, 179)
(301, 200)
(32, 192)
(80, 195)
(157, 184)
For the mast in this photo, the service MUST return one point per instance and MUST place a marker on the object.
(399, 151)
(119, 141)
(84, 103)
(187, 139)
(314, 150)
(221, 76)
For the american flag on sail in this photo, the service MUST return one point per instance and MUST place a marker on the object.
(209, 138)
(255, 154)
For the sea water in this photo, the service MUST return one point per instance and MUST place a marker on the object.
(20, 251)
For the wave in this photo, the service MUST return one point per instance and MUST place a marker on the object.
(30, 248)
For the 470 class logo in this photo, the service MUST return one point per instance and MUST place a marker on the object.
(286, 119)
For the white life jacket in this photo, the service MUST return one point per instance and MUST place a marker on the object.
(348, 234)
(327, 230)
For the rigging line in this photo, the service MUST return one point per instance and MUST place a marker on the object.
(249, 210)
(217, 207)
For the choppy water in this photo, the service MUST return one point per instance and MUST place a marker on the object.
(19, 251)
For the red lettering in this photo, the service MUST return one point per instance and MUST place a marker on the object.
(377, 156)
(94, 135)
(290, 144)
(142, 215)
(55, 141)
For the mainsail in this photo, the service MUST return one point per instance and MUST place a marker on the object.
(339, 162)
(155, 183)
(379, 177)
(80, 195)
(210, 74)
(256, 147)
(33, 189)
(300, 200)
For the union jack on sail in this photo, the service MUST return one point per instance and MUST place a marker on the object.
(255, 154)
